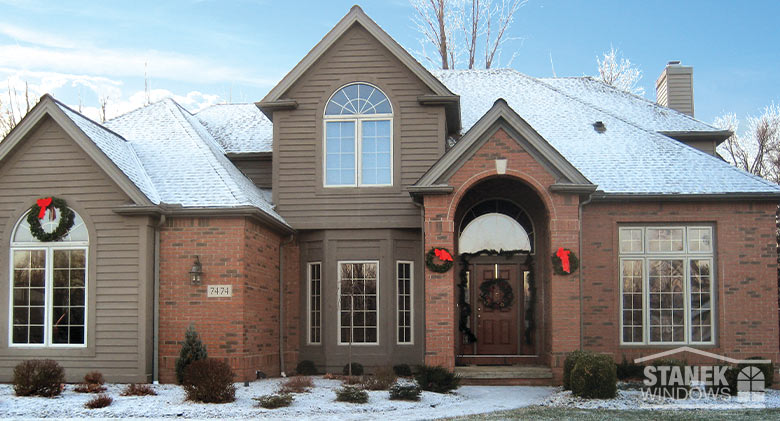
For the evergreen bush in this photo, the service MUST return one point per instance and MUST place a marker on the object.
(437, 379)
(351, 394)
(568, 365)
(767, 369)
(357, 369)
(277, 400)
(191, 350)
(405, 392)
(594, 377)
(669, 390)
(629, 370)
(402, 370)
(306, 368)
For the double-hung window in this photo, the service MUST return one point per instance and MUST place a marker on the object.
(48, 287)
(358, 138)
(666, 285)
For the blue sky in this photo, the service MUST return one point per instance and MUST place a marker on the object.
(206, 51)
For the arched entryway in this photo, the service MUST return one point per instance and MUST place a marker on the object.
(500, 223)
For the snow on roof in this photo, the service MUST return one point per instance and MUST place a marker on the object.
(117, 150)
(239, 128)
(638, 110)
(629, 157)
(184, 162)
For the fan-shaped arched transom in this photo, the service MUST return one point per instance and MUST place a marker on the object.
(358, 99)
(496, 224)
(78, 233)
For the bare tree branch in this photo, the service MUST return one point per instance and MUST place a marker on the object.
(756, 151)
(620, 74)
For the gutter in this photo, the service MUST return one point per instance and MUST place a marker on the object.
(674, 197)
(282, 243)
(582, 287)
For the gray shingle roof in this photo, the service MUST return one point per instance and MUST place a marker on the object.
(186, 164)
(629, 158)
(239, 128)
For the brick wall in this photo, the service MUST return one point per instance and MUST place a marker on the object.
(560, 292)
(242, 330)
(746, 272)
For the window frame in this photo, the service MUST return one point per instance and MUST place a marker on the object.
(49, 248)
(358, 119)
(338, 306)
(398, 303)
(309, 325)
(645, 256)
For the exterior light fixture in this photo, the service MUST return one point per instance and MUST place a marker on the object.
(196, 273)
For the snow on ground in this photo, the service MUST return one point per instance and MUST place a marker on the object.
(633, 399)
(319, 404)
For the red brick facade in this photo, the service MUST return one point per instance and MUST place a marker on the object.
(746, 274)
(244, 329)
(440, 228)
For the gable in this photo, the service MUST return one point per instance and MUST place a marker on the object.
(501, 118)
(48, 110)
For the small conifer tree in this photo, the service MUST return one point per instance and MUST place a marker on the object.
(191, 350)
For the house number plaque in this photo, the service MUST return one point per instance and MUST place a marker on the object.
(219, 291)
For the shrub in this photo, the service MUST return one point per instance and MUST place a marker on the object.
(767, 369)
(191, 350)
(568, 365)
(405, 392)
(669, 390)
(402, 370)
(381, 380)
(331, 376)
(93, 383)
(357, 369)
(594, 377)
(297, 384)
(437, 379)
(630, 370)
(277, 400)
(351, 394)
(38, 378)
(100, 401)
(209, 381)
(306, 368)
(352, 380)
(730, 388)
(138, 389)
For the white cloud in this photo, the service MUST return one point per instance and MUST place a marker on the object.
(31, 36)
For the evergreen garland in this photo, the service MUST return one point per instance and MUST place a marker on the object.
(191, 350)
(574, 263)
(66, 221)
(507, 296)
(465, 308)
(438, 267)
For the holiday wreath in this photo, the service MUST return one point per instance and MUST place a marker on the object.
(441, 254)
(496, 293)
(564, 262)
(38, 212)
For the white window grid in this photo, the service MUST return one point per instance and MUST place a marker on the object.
(686, 257)
(405, 302)
(314, 303)
(341, 305)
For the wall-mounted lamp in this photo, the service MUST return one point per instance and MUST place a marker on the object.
(196, 273)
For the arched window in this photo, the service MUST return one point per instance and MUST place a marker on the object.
(496, 224)
(358, 138)
(48, 287)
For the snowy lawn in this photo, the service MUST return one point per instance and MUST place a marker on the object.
(318, 404)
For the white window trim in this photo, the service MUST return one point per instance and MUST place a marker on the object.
(398, 303)
(308, 303)
(686, 256)
(48, 286)
(48, 295)
(338, 310)
(358, 119)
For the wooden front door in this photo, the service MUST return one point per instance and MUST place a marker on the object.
(498, 329)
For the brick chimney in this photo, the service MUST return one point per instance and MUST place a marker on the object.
(674, 88)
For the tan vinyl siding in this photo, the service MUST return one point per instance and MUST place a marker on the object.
(258, 170)
(48, 163)
(418, 141)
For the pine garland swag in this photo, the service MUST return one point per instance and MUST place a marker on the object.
(438, 267)
(574, 263)
(66, 221)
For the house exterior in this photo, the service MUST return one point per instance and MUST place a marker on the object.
(320, 223)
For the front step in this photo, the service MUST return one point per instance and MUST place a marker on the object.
(511, 375)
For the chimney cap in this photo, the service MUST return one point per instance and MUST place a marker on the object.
(673, 63)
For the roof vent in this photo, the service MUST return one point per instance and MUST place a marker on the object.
(599, 127)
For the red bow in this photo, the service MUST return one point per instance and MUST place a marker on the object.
(442, 255)
(43, 204)
(564, 256)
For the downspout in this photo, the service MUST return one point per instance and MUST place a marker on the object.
(422, 259)
(281, 303)
(582, 312)
(156, 311)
